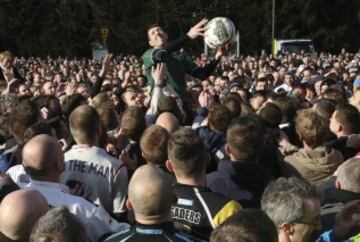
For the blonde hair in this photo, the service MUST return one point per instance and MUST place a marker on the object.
(311, 127)
(6, 54)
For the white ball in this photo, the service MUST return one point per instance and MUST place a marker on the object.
(218, 32)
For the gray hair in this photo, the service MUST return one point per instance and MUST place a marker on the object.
(58, 225)
(348, 174)
(283, 199)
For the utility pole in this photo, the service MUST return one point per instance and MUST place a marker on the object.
(273, 25)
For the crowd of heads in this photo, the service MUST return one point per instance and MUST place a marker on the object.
(288, 123)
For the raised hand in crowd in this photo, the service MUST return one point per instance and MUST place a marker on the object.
(198, 29)
(158, 73)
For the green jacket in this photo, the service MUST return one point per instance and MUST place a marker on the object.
(177, 67)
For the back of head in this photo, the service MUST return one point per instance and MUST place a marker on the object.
(58, 225)
(245, 138)
(133, 123)
(85, 124)
(40, 127)
(42, 156)
(22, 116)
(233, 104)
(349, 118)
(324, 107)
(19, 211)
(150, 194)
(168, 121)
(169, 104)
(187, 153)
(336, 94)
(283, 198)
(248, 225)
(70, 103)
(109, 117)
(102, 99)
(153, 144)
(271, 114)
(287, 106)
(311, 128)
(218, 117)
(348, 175)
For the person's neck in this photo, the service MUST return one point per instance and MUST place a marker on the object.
(342, 134)
(283, 237)
(199, 181)
(51, 178)
(88, 144)
(146, 221)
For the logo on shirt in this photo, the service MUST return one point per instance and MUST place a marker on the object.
(83, 167)
(184, 214)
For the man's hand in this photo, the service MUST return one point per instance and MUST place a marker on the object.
(70, 88)
(105, 65)
(12, 85)
(158, 73)
(197, 29)
(205, 99)
(347, 218)
(221, 52)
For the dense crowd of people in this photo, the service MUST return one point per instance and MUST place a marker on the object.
(173, 147)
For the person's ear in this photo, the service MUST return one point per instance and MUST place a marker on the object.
(169, 166)
(340, 128)
(287, 228)
(227, 150)
(129, 205)
(151, 43)
(338, 184)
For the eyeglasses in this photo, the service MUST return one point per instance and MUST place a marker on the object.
(315, 221)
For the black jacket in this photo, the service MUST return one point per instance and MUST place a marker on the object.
(243, 181)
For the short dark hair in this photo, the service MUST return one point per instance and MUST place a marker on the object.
(218, 117)
(349, 118)
(150, 26)
(324, 107)
(187, 151)
(245, 138)
(336, 94)
(40, 127)
(233, 105)
(153, 144)
(83, 121)
(248, 225)
(169, 104)
(271, 114)
(133, 123)
(287, 106)
(58, 225)
(24, 114)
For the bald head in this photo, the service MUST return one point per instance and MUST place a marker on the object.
(150, 195)
(168, 121)
(42, 157)
(29, 205)
(348, 175)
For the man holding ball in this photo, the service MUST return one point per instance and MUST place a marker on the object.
(177, 66)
